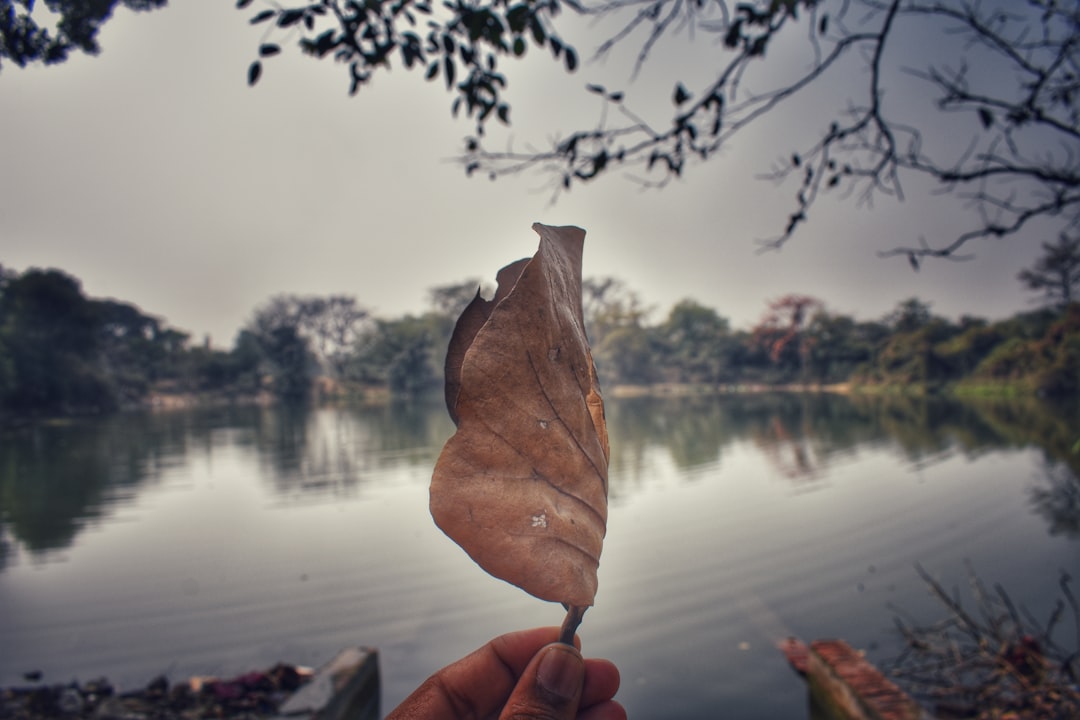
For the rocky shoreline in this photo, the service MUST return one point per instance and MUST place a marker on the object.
(252, 695)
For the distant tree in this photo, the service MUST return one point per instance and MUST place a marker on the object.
(781, 332)
(837, 345)
(1061, 350)
(1057, 498)
(49, 330)
(1011, 359)
(245, 359)
(608, 305)
(62, 352)
(1056, 273)
(1047, 365)
(627, 355)
(909, 315)
(750, 360)
(625, 351)
(405, 354)
(303, 336)
(7, 368)
(963, 352)
(696, 339)
(333, 324)
(276, 330)
(72, 25)
(914, 353)
(136, 349)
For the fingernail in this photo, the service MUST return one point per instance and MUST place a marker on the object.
(561, 671)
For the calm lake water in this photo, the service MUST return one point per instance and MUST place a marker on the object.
(219, 541)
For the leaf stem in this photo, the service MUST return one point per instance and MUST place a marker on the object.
(574, 614)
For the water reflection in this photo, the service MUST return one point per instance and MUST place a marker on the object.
(57, 479)
(802, 435)
(693, 430)
(1056, 497)
(330, 451)
(232, 538)
(805, 432)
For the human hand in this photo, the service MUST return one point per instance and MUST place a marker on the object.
(524, 675)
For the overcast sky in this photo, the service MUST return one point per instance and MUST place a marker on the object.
(156, 176)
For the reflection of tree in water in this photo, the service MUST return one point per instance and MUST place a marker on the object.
(788, 451)
(798, 431)
(280, 436)
(692, 430)
(928, 429)
(56, 479)
(802, 434)
(1058, 500)
(631, 427)
(1048, 425)
(5, 544)
(411, 430)
(330, 451)
(309, 451)
(696, 438)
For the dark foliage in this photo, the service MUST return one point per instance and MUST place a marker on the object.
(61, 352)
(996, 660)
(25, 40)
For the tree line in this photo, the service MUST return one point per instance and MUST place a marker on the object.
(63, 352)
(800, 341)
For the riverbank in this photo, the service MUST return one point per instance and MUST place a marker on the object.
(323, 390)
(255, 694)
(345, 688)
(326, 391)
(690, 389)
(1008, 390)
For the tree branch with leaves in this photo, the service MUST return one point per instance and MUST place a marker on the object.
(1001, 134)
(1014, 67)
(1056, 273)
(461, 42)
(51, 31)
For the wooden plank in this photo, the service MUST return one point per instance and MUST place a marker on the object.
(797, 654)
(849, 687)
(346, 688)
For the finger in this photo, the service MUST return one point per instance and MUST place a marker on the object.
(550, 687)
(516, 649)
(608, 710)
(601, 682)
(478, 684)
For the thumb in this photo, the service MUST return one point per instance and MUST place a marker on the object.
(550, 687)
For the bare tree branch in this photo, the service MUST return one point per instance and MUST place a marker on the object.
(1019, 107)
(1020, 164)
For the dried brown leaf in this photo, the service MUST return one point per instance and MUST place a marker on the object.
(522, 484)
